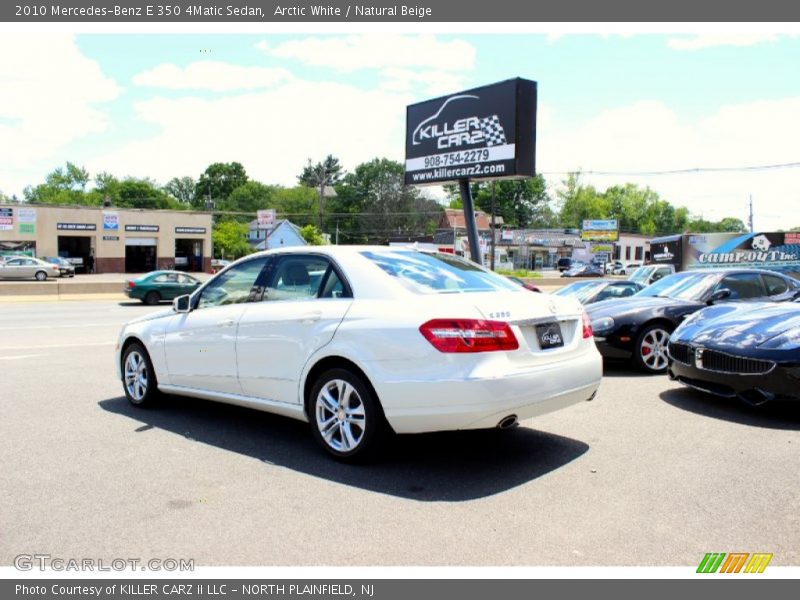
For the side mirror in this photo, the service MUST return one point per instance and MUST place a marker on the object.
(182, 304)
(720, 294)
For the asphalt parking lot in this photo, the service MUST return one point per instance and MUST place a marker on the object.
(647, 474)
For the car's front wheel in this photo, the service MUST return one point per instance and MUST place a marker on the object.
(138, 376)
(650, 353)
(346, 418)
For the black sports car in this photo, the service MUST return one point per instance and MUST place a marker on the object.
(638, 328)
(749, 351)
(595, 290)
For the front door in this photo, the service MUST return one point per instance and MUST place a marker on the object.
(201, 344)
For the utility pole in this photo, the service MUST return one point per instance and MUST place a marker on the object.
(491, 259)
(751, 213)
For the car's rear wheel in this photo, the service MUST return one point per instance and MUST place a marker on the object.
(346, 418)
(40, 276)
(650, 353)
(152, 298)
(138, 376)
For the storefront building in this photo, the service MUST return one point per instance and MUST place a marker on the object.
(108, 240)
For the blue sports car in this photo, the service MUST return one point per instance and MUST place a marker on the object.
(749, 351)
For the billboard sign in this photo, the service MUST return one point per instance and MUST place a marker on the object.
(600, 230)
(771, 250)
(266, 218)
(482, 133)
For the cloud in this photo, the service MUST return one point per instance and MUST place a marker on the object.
(210, 75)
(651, 136)
(271, 132)
(376, 51)
(435, 83)
(700, 42)
(49, 97)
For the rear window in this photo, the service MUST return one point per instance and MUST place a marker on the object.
(429, 273)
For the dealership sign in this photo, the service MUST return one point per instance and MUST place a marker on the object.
(600, 230)
(266, 218)
(772, 250)
(487, 132)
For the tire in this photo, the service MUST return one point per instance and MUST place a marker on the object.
(152, 298)
(350, 428)
(650, 350)
(138, 377)
(40, 276)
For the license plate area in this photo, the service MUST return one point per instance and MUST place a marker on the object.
(549, 335)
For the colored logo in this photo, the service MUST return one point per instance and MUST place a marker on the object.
(734, 562)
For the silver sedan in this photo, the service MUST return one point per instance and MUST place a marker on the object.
(25, 267)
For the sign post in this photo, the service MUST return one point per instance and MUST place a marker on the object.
(482, 133)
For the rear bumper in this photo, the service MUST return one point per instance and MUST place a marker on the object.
(482, 402)
(782, 383)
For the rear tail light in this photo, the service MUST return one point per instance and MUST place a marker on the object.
(587, 326)
(131, 284)
(469, 335)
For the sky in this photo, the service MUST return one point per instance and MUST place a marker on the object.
(168, 105)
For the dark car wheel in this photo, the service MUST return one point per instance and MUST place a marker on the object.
(40, 276)
(138, 376)
(152, 298)
(650, 351)
(346, 418)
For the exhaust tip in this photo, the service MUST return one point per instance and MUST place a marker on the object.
(508, 422)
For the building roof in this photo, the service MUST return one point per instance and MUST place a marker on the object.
(453, 218)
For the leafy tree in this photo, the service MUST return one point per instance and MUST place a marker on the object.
(731, 224)
(312, 235)
(218, 181)
(61, 186)
(249, 197)
(229, 238)
(522, 203)
(327, 172)
(182, 189)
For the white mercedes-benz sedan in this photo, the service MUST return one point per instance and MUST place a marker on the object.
(361, 341)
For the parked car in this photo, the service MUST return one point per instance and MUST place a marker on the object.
(595, 290)
(525, 284)
(749, 351)
(564, 264)
(583, 270)
(66, 268)
(157, 286)
(637, 329)
(361, 341)
(25, 267)
(648, 274)
(612, 266)
(624, 269)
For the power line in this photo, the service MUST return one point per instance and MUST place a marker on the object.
(688, 171)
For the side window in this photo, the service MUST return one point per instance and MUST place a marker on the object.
(299, 277)
(160, 278)
(185, 279)
(234, 285)
(775, 285)
(743, 286)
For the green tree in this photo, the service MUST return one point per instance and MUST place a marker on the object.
(731, 224)
(229, 238)
(218, 181)
(249, 197)
(522, 203)
(61, 186)
(312, 235)
(182, 189)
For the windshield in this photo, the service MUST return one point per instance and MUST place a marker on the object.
(429, 273)
(641, 274)
(580, 290)
(683, 286)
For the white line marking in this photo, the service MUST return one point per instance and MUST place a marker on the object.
(20, 357)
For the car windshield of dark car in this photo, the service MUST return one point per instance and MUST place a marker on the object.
(682, 286)
(429, 273)
(581, 291)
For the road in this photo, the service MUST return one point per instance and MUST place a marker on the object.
(647, 474)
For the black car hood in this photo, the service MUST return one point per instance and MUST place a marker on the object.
(619, 307)
(740, 326)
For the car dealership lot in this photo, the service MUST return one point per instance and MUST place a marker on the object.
(649, 473)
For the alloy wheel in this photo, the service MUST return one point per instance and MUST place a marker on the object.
(340, 415)
(653, 349)
(136, 376)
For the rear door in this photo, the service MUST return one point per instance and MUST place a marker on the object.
(304, 301)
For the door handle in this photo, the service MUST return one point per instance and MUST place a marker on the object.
(225, 323)
(310, 317)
